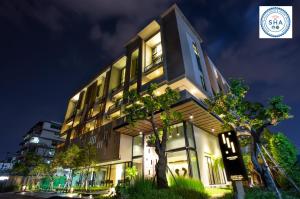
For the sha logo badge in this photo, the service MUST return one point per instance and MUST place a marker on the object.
(275, 22)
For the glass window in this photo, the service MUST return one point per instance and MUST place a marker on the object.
(194, 164)
(134, 64)
(123, 70)
(101, 175)
(138, 145)
(117, 173)
(178, 164)
(176, 137)
(189, 134)
(138, 163)
(197, 55)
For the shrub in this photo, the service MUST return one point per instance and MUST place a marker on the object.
(189, 194)
(186, 183)
(255, 193)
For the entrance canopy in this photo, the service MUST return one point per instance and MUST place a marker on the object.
(191, 111)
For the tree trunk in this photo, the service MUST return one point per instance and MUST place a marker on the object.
(160, 169)
(261, 169)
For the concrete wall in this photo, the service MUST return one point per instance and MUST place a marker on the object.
(187, 37)
(207, 144)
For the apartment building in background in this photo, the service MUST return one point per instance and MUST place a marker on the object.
(170, 53)
(41, 140)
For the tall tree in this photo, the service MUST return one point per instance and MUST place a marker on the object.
(250, 118)
(144, 107)
(68, 159)
(87, 160)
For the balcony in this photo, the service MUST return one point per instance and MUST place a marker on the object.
(154, 65)
(116, 106)
(117, 89)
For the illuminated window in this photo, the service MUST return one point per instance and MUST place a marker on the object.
(197, 55)
(178, 163)
(138, 146)
(134, 65)
(176, 137)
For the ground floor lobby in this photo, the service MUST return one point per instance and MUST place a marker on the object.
(191, 152)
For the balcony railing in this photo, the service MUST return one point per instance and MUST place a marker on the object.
(115, 107)
(117, 89)
(154, 64)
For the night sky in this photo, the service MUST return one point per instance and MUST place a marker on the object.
(51, 48)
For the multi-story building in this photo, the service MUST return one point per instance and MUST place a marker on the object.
(41, 140)
(170, 53)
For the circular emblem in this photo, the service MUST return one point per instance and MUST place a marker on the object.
(275, 22)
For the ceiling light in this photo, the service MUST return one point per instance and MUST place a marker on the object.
(191, 117)
(212, 130)
(193, 91)
(141, 133)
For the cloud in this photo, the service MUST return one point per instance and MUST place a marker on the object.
(273, 63)
(41, 11)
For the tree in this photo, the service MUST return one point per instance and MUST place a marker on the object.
(68, 159)
(29, 161)
(283, 151)
(144, 107)
(248, 117)
(87, 156)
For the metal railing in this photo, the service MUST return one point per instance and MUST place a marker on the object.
(155, 63)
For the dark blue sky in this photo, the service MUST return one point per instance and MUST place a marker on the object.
(50, 48)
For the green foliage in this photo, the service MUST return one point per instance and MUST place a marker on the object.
(237, 112)
(90, 189)
(283, 151)
(143, 107)
(186, 183)
(23, 168)
(145, 189)
(87, 155)
(131, 172)
(69, 158)
(41, 169)
(255, 193)
(20, 169)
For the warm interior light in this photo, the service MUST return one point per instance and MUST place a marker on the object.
(212, 130)
(141, 133)
(191, 117)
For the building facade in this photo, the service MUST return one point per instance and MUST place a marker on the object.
(170, 53)
(42, 140)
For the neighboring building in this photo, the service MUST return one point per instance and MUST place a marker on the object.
(169, 52)
(41, 140)
(7, 164)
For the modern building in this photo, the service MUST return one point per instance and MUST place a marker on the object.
(169, 52)
(41, 140)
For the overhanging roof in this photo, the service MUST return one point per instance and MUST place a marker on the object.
(201, 118)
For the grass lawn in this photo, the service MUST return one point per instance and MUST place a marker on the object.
(217, 192)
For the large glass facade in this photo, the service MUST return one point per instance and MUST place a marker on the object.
(190, 135)
(178, 163)
(176, 137)
(180, 150)
(138, 163)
